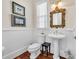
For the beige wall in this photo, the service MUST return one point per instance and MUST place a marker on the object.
(70, 13)
(7, 11)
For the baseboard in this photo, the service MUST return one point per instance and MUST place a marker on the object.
(15, 53)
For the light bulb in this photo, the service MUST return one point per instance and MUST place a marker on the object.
(59, 5)
(53, 6)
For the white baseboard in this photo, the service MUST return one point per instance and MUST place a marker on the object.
(13, 54)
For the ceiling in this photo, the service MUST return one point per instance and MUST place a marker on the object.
(66, 2)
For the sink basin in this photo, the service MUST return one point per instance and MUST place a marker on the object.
(56, 36)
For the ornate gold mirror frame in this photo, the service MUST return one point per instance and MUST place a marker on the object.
(57, 10)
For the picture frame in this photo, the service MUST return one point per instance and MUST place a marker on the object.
(18, 21)
(18, 9)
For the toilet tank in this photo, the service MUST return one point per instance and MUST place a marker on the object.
(41, 39)
(38, 36)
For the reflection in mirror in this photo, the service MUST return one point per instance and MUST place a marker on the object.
(57, 20)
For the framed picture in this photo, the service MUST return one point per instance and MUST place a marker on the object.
(17, 21)
(18, 9)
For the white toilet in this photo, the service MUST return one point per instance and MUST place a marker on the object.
(34, 49)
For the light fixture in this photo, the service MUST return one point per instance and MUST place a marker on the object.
(53, 6)
(57, 4)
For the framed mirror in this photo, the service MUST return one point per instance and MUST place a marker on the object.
(57, 18)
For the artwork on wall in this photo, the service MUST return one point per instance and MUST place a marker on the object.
(18, 9)
(18, 15)
(17, 21)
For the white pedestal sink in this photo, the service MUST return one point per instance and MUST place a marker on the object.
(56, 38)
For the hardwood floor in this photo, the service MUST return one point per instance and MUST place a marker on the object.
(26, 55)
(44, 56)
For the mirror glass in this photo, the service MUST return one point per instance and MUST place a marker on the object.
(57, 19)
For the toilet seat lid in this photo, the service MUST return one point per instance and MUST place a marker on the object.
(34, 45)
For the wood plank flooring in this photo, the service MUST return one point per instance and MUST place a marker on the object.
(44, 56)
(26, 55)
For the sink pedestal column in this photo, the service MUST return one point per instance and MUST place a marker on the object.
(56, 49)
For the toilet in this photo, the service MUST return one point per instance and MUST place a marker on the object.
(34, 49)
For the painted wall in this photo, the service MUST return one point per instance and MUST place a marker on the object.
(7, 11)
(16, 39)
(70, 13)
(70, 43)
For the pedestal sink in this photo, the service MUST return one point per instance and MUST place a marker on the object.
(56, 37)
